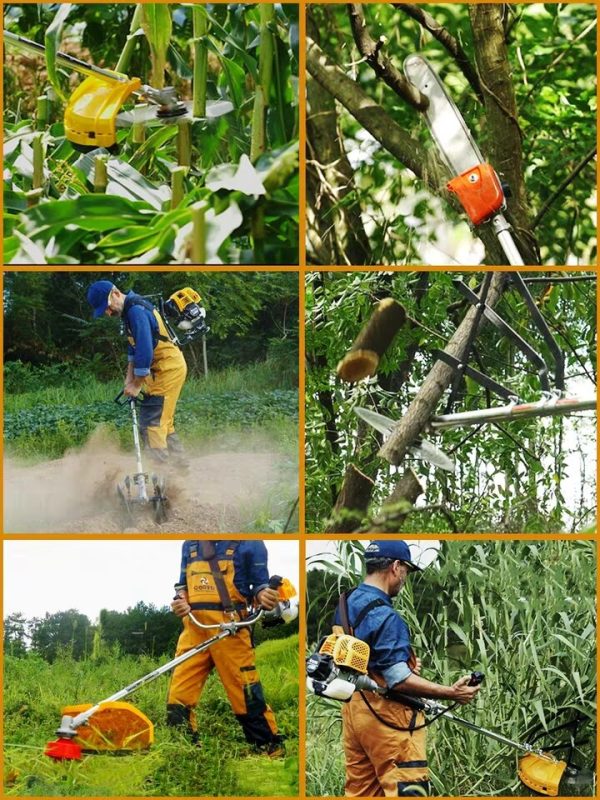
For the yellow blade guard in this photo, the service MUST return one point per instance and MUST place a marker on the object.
(115, 726)
(541, 773)
(91, 113)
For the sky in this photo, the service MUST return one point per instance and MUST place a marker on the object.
(423, 551)
(56, 575)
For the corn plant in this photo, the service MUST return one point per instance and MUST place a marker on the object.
(219, 185)
(523, 612)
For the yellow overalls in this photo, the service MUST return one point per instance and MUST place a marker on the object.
(233, 657)
(162, 389)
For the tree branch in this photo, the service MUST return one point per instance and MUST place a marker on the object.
(370, 50)
(373, 118)
(336, 230)
(557, 192)
(446, 39)
(502, 116)
(415, 419)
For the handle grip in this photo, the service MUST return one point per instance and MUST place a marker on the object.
(126, 399)
(476, 679)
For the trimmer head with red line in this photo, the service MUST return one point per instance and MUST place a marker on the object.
(63, 750)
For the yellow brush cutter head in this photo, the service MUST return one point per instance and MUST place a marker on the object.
(91, 113)
(115, 726)
(541, 773)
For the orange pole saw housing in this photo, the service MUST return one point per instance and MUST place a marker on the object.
(479, 191)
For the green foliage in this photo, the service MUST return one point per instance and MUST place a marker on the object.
(534, 476)
(256, 222)
(520, 611)
(552, 60)
(35, 692)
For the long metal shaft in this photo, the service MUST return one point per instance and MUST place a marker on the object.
(431, 707)
(502, 231)
(64, 59)
(81, 719)
(139, 475)
(542, 408)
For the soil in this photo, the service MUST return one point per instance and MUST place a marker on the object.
(218, 493)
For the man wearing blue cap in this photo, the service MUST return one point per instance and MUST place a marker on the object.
(385, 742)
(154, 364)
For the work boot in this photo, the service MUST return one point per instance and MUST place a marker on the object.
(177, 455)
(274, 749)
(159, 456)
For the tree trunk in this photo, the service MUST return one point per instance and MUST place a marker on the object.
(505, 137)
(373, 340)
(336, 232)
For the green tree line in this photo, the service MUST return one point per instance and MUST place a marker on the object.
(143, 629)
(253, 316)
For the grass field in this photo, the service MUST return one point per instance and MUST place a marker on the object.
(224, 764)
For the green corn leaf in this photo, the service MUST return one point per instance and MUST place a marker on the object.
(52, 39)
(157, 26)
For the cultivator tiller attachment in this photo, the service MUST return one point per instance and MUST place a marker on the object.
(139, 491)
(115, 726)
(93, 111)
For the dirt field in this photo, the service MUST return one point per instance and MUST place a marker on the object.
(219, 493)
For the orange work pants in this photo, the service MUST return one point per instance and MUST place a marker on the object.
(234, 660)
(381, 761)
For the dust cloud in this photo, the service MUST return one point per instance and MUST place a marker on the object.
(223, 488)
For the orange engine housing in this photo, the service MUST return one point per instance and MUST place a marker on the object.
(479, 191)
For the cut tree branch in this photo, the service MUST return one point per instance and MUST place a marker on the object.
(445, 38)
(376, 335)
(371, 51)
(557, 192)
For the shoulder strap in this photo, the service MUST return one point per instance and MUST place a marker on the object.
(343, 609)
(209, 554)
(136, 300)
(364, 611)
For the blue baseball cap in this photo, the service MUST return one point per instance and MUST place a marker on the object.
(97, 296)
(391, 548)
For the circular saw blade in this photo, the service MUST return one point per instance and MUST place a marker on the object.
(146, 114)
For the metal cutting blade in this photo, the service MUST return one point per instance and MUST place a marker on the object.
(448, 129)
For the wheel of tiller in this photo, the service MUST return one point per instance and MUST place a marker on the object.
(126, 512)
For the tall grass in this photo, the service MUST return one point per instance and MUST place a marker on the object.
(35, 692)
(523, 612)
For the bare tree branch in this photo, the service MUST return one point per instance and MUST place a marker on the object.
(557, 192)
(371, 51)
(446, 39)
(415, 419)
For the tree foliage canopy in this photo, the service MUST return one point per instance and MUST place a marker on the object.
(47, 320)
(524, 78)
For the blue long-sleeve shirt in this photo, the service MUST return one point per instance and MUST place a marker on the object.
(142, 326)
(251, 573)
(384, 630)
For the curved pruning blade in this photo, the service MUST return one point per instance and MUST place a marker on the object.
(426, 451)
